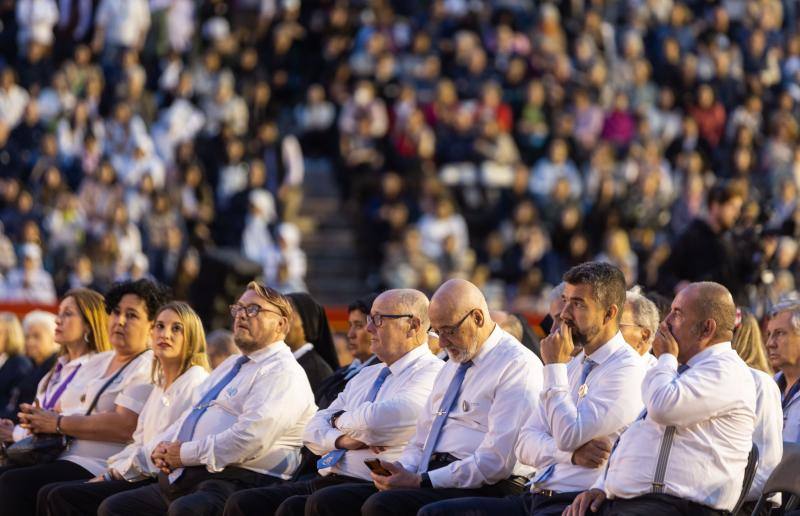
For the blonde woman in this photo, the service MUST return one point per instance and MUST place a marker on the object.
(748, 343)
(14, 365)
(179, 367)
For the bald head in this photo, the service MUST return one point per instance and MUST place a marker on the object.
(712, 301)
(459, 295)
(460, 316)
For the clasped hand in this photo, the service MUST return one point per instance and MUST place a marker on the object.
(37, 419)
(167, 456)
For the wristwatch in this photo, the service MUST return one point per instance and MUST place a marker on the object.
(335, 417)
(58, 425)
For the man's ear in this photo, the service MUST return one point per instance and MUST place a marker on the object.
(646, 334)
(480, 319)
(611, 314)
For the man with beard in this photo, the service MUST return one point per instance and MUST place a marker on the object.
(466, 432)
(686, 454)
(587, 399)
(246, 427)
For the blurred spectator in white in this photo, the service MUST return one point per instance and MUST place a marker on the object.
(315, 119)
(289, 268)
(127, 234)
(66, 224)
(8, 259)
(435, 228)
(257, 242)
(180, 25)
(364, 105)
(35, 21)
(120, 25)
(30, 282)
(141, 162)
(13, 99)
(547, 171)
(225, 108)
(179, 123)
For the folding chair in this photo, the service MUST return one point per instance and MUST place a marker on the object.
(784, 478)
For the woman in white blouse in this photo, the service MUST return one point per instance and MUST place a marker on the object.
(81, 329)
(125, 373)
(180, 366)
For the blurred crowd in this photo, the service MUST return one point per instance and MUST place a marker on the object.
(502, 142)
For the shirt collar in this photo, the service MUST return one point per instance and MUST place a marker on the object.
(489, 344)
(710, 351)
(266, 352)
(65, 361)
(605, 351)
(302, 350)
(409, 358)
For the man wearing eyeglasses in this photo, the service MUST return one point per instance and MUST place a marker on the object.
(246, 424)
(374, 416)
(464, 439)
(639, 325)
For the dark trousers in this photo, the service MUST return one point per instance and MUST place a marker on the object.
(19, 487)
(196, 493)
(364, 499)
(282, 500)
(656, 505)
(526, 504)
(79, 498)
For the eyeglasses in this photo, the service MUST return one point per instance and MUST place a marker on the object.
(377, 319)
(630, 324)
(449, 331)
(250, 310)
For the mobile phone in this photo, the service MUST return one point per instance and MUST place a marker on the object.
(375, 466)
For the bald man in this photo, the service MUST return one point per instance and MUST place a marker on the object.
(687, 453)
(464, 440)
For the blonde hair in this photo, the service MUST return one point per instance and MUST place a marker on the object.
(194, 341)
(273, 297)
(748, 343)
(92, 307)
(15, 338)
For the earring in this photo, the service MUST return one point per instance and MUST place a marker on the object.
(86, 338)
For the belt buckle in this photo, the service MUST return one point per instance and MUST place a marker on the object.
(544, 492)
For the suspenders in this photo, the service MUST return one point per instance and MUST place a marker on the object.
(663, 458)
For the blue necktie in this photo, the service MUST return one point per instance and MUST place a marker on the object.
(190, 423)
(332, 458)
(588, 365)
(441, 416)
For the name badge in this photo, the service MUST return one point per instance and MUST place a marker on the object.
(583, 390)
(232, 392)
(165, 401)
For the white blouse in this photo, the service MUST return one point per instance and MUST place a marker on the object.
(130, 390)
(71, 397)
(162, 408)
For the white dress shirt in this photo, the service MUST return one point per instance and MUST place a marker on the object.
(389, 421)
(791, 416)
(649, 360)
(500, 388)
(302, 350)
(256, 422)
(712, 405)
(125, 21)
(160, 410)
(767, 435)
(129, 390)
(566, 419)
(70, 399)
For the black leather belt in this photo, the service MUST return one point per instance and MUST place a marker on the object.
(441, 459)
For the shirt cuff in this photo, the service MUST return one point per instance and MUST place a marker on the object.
(667, 360)
(189, 453)
(329, 439)
(555, 375)
(440, 477)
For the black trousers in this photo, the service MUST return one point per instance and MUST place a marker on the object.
(282, 500)
(79, 498)
(19, 487)
(196, 493)
(656, 505)
(366, 500)
(526, 504)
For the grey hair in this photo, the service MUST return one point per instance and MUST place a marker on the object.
(556, 293)
(643, 311)
(414, 302)
(793, 307)
(46, 319)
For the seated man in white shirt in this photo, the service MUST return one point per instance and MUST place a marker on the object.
(783, 351)
(688, 453)
(639, 324)
(464, 439)
(245, 426)
(376, 414)
(587, 399)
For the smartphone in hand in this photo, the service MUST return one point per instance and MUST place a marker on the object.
(375, 466)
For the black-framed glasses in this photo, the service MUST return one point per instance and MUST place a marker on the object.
(250, 310)
(449, 331)
(377, 319)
